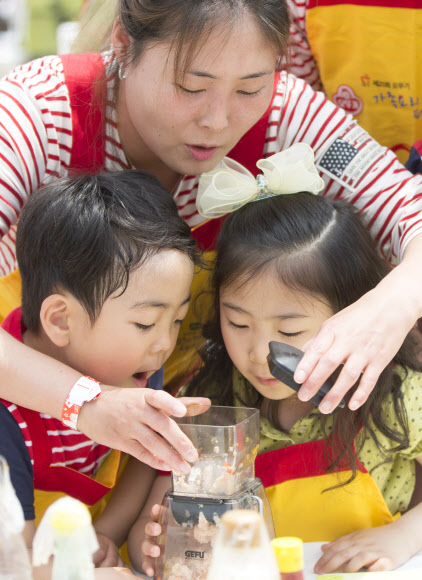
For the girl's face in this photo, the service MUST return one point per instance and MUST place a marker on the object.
(263, 310)
(190, 125)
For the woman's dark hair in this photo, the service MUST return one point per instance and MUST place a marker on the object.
(84, 235)
(188, 23)
(316, 246)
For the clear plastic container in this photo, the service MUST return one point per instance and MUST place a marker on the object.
(227, 440)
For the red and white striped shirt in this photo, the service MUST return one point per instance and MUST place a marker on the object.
(36, 141)
(69, 448)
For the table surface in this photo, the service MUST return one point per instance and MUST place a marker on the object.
(312, 552)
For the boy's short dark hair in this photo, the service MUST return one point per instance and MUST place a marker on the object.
(85, 234)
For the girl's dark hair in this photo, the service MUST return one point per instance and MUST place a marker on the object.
(84, 235)
(188, 23)
(316, 246)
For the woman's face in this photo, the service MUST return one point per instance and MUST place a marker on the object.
(191, 124)
(263, 310)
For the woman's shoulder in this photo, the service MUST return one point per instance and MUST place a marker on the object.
(46, 76)
(297, 113)
(31, 73)
(39, 86)
(289, 86)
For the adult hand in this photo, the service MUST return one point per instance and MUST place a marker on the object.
(107, 554)
(150, 548)
(138, 421)
(375, 549)
(364, 337)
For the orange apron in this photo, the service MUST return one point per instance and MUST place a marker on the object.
(368, 57)
(296, 482)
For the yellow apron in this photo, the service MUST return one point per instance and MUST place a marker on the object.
(369, 59)
(10, 293)
(181, 363)
(297, 484)
(106, 475)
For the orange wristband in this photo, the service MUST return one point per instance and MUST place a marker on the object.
(85, 389)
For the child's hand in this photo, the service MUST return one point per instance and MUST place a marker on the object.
(149, 545)
(107, 554)
(375, 549)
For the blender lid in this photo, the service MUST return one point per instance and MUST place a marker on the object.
(283, 360)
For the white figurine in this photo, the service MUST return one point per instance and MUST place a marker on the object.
(66, 532)
(14, 559)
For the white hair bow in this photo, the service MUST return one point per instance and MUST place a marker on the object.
(231, 185)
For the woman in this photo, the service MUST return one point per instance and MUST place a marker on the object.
(186, 83)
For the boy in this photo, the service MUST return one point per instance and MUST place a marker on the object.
(106, 266)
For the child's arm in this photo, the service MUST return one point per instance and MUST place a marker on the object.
(137, 543)
(376, 549)
(123, 508)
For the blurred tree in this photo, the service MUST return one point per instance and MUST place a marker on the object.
(43, 18)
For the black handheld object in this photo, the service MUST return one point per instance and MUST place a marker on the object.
(283, 360)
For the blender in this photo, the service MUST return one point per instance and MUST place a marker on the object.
(222, 479)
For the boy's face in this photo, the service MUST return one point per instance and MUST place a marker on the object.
(260, 311)
(135, 332)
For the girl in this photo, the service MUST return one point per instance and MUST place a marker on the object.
(285, 264)
(185, 83)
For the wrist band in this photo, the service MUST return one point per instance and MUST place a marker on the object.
(85, 389)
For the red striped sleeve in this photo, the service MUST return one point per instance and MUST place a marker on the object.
(31, 123)
(35, 140)
(18, 151)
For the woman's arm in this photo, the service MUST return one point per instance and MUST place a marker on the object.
(136, 421)
(355, 168)
(366, 335)
(35, 140)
